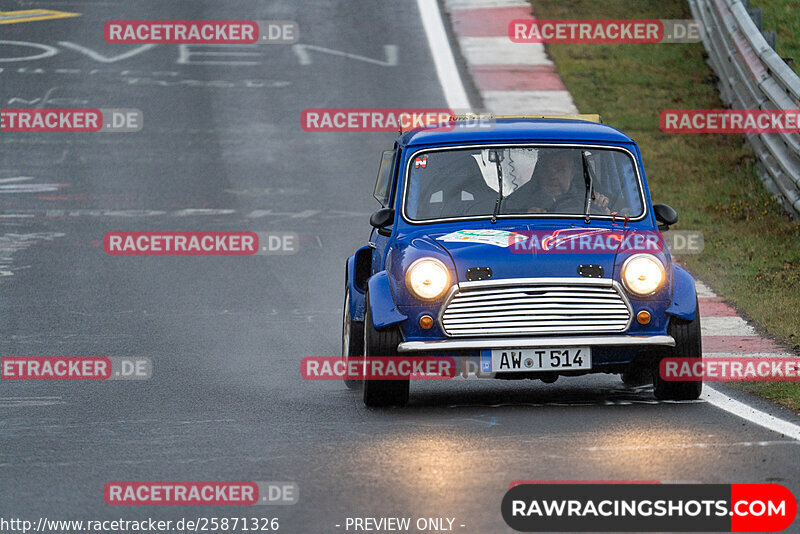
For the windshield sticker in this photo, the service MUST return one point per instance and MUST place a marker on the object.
(498, 238)
(421, 162)
(517, 167)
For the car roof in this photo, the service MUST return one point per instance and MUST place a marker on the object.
(517, 129)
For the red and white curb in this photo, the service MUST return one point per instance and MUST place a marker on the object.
(725, 334)
(516, 78)
(513, 78)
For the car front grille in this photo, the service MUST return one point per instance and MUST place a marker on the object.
(535, 306)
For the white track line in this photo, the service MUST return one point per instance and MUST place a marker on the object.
(443, 59)
(722, 401)
(456, 97)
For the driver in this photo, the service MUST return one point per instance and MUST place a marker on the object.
(557, 186)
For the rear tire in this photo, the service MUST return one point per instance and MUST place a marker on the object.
(352, 340)
(377, 343)
(688, 344)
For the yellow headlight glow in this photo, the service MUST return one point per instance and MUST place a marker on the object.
(427, 278)
(643, 274)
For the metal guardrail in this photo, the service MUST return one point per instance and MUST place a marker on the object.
(752, 76)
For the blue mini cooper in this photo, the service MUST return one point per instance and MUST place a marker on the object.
(529, 248)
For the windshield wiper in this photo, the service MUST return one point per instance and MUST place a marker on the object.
(496, 157)
(588, 177)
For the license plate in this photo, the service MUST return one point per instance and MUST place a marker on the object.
(540, 359)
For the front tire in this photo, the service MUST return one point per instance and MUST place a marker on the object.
(377, 343)
(352, 340)
(688, 344)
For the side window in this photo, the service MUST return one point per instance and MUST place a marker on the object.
(383, 185)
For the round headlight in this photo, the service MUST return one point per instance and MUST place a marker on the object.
(427, 278)
(643, 274)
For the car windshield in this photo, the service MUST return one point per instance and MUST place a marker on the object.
(530, 180)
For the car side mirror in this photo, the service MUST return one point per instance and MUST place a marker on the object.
(665, 215)
(381, 219)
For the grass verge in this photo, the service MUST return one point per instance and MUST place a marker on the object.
(784, 17)
(785, 393)
(752, 247)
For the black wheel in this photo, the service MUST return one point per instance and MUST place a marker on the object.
(687, 345)
(352, 339)
(384, 342)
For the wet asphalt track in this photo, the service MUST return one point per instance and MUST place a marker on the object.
(226, 334)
